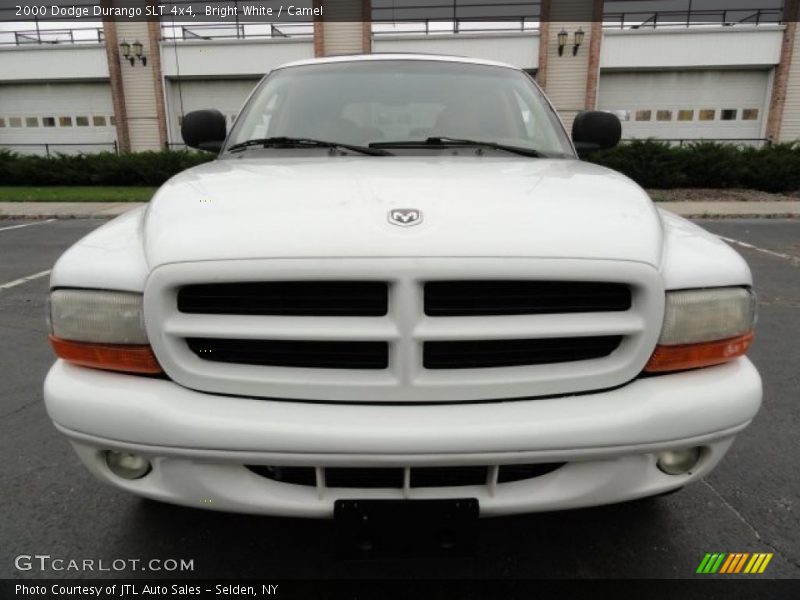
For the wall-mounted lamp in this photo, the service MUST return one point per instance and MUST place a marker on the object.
(562, 41)
(578, 41)
(133, 51)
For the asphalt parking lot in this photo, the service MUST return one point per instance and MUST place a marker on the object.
(51, 505)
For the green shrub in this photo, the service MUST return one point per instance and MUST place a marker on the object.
(651, 163)
(658, 165)
(105, 168)
(711, 165)
(772, 169)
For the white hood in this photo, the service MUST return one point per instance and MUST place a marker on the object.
(334, 206)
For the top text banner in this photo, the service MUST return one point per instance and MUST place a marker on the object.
(624, 13)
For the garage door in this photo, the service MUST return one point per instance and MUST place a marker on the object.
(226, 95)
(68, 117)
(687, 104)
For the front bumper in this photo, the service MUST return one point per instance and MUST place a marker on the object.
(199, 443)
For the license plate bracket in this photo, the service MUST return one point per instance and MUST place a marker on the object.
(398, 528)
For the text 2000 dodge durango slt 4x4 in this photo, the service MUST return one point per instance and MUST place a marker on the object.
(397, 282)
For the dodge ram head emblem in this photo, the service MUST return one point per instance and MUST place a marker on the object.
(405, 217)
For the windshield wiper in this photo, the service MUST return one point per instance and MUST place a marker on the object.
(290, 142)
(445, 142)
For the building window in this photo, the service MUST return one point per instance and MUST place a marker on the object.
(663, 115)
(99, 121)
(685, 115)
(82, 121)
(622, 115)
(15, 122)
(48, 121)
(707, 114)
(65, 121)
(728, 114)
(750, 114)
(31, 121)
(643, 115)
(2, 122)
(112, 121)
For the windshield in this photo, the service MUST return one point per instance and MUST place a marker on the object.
(375, 102)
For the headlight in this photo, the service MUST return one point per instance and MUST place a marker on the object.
(101, 329)
(706, 315)
(703, 328)
(97, 316)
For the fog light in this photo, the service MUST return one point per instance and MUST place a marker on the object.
(678, 462)
(127, 465)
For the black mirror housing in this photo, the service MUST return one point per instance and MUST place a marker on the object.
(595, 130)
(204, 130)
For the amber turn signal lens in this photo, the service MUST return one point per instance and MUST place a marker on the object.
(693, 356)
(112, 357)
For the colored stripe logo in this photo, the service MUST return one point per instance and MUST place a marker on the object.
(734, 563)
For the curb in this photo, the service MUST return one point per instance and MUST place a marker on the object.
(766, 216)
(720, 209)
(59, 216)
(65, 210)
(107, 210)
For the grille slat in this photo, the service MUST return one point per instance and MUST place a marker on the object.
(448, 476)
(512, 473)
(392, 477)
(363, 478)
(479, 354)
(487, 298)
(287, 298)
(294, 475)
(302, 354)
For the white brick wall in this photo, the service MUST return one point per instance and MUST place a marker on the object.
(790, 130)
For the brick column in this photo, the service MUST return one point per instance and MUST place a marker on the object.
(544, 37)
(115, 80)
(346, 30)
(366, 26)
(595, 44)
(154, 31)
(567, 76)
(783, 73)
(319, 33)
(141, 86)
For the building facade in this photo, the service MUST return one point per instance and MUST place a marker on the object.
(126, 85)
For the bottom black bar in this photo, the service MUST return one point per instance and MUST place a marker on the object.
(482, 589)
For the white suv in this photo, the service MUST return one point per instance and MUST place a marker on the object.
(398, 283)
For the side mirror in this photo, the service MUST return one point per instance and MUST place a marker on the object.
(204, 130)
(595, 130)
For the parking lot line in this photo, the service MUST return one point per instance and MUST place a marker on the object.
(26, 225)
(22, 280)
(763, 250)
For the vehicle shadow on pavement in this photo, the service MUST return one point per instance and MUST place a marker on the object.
(578, 543)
